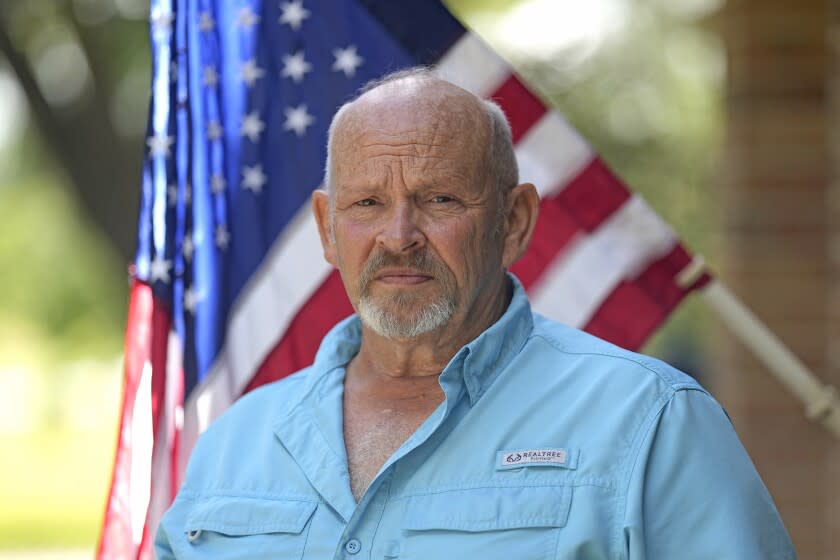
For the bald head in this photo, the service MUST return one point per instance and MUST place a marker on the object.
(409, 100)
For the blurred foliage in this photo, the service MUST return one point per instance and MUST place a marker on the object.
(85, 73)
(68, 180)
(641, 79)
(54, 271)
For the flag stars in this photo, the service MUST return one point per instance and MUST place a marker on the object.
(295, 66)
(347, 60)
(250, 72)
(217, 184)
(206, 23)
(159, 144)
(298, 119)
(247, 18)
(211, 77)
(253, 178)
(188, 246)
(191, 299)
(252, 126)
(214, 130)
(293, 14)
(222, 237)
(159, 269)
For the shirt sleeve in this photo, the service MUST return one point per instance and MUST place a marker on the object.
(694, 493)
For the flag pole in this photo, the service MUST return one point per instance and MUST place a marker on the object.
(822, 402)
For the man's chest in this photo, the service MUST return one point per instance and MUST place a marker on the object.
(373, 431)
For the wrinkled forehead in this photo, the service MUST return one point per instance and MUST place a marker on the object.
(415, 119)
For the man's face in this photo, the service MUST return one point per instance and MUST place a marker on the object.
(414, 215)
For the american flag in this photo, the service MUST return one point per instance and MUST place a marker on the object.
(230, 289)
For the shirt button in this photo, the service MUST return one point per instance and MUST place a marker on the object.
(353, 546)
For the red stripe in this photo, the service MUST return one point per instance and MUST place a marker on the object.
(297, 348)
(593, 195)
(634, 309)
(144, 551)
(158, 352)
(659, 279)
(583, 205)
(521, 107)
(555, 228)
(174, 469)
(148, 321)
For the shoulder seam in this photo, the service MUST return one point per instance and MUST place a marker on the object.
(670, 383)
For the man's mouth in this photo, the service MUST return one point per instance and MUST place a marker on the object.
(402, 276)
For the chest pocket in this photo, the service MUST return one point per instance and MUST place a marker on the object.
(225, 527)
(515, 522)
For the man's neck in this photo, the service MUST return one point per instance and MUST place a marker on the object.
(426, 355)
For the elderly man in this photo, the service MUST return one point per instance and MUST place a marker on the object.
(445, 420)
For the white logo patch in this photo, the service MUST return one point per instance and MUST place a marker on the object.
(533, 457)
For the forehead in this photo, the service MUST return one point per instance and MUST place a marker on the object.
(440, 130)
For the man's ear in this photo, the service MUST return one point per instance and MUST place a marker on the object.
(321, 211)
(523, 209)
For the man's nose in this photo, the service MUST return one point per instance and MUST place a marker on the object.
(401, 232)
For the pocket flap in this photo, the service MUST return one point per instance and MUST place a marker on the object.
(240, 516)
(487, 509)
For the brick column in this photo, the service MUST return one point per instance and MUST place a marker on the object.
(832, 217)
(782, 156)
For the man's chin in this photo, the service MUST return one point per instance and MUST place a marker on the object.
(397, 328)
(405, 317)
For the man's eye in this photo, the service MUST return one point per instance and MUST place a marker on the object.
(366, 202)
(442, 199)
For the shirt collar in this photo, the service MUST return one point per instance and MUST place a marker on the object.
(476, 364)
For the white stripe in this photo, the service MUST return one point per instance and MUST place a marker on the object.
(472, 65)
(140, 470)
(551, 154)
(293, 269)
(291, 272)
(579, 280)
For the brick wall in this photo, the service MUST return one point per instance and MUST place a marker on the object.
(780, 208)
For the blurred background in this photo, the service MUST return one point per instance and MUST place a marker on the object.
(720, 113)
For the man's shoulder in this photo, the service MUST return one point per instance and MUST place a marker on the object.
(250, 421)
(605, 363)
(272, 400)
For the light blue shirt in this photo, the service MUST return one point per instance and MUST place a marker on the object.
(550, 444)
